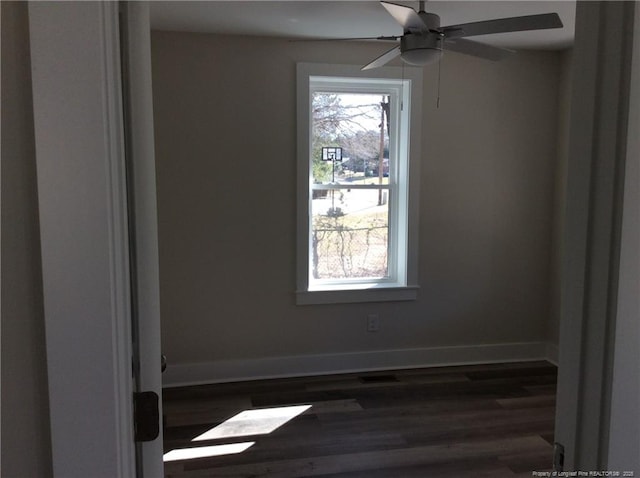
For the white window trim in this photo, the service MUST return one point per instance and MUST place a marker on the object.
(344, 293)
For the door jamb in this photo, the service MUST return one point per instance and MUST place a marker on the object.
(84, 238)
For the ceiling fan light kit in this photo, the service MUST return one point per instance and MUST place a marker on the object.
(420, 50)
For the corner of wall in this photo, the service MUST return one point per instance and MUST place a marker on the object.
(562, 156)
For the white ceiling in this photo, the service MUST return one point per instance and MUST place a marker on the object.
(363, 18)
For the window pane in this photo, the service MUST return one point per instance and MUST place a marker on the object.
(359, 125)
(349, 233)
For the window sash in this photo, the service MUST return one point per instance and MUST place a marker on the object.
(389, 278)
(396, 255)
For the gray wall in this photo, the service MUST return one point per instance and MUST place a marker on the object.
(26, 445)
(224, 112)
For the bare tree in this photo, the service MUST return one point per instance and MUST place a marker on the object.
(337, 124)
(384, 113)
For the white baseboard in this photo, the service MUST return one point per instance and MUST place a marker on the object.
(327, 364)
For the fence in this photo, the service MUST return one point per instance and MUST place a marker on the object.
(341, 252)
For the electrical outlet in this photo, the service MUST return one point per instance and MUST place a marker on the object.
(373, 323)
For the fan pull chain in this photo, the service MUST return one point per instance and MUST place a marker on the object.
(439, 71)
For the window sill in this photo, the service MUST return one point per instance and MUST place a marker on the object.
(389, 294)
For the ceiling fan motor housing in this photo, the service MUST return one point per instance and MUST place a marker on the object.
(421, 48)
(431, 20)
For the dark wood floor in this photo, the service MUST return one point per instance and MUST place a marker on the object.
(470, 421)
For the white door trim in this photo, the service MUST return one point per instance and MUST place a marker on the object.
(592, 231)
(624, 436)
(83, 223)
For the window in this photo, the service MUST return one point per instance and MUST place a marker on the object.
(358, 151)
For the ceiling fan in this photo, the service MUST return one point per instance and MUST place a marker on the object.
(424, 39)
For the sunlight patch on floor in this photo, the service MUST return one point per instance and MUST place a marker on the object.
(206, 451)
(253, 422)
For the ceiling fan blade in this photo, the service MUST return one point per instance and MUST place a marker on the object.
(385, 38)
(503, 25)
(478, 49)
(405, 16)
(383, 59)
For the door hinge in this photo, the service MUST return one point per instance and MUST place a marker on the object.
(146, 416)
(558, 457)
